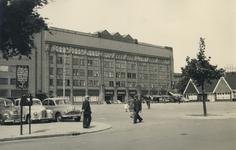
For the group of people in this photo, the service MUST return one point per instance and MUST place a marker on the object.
(134, 105)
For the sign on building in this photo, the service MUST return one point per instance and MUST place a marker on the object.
(22, 76)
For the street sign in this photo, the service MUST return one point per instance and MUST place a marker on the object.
(22, 76)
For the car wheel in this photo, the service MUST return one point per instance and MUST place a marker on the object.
(77, 119)
(59, 117)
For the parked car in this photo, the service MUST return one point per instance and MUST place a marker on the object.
(62, 109)
(38, 111)
(184, 100)
(8, 114)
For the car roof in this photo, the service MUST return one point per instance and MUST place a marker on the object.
(55, 98)
(33, 99)
(5, 99)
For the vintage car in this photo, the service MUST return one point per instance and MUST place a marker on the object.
(62, 109)
(38, 112)
(8, 114)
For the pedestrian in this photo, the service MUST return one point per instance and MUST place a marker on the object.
(86, 112)
(137, 109)
(148, 102)
(126, 107)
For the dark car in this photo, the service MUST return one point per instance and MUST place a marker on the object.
(8, 113)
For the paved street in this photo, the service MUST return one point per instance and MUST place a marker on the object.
(165, 127)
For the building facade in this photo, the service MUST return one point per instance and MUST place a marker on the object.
(103, 65)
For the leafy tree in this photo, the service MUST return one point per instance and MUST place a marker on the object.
(181, 85)
(200, 70)
(19, 21)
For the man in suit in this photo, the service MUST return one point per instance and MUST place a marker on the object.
(87, 112)
(137, 109)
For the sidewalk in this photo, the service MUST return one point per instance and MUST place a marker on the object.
(54, 129)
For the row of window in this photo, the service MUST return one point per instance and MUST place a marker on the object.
(81, 83)
(106, 64)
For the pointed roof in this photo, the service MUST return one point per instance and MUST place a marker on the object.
(117, 36)
(222, 86)
(208, 87)
(231, 80)
(190, 88)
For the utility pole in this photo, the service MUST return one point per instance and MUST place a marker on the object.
(64, 70)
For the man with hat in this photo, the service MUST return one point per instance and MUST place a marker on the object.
(87, 112)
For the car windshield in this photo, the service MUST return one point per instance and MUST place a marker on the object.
(36, 102)
(62, 102)
(8, 103)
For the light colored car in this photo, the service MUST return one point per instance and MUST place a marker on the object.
(184, 100)
(62, 109)
(38, 111)
(8, 113)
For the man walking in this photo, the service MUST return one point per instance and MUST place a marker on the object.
(137, 109)
(87, 112)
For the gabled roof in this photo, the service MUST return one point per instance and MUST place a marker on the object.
(190, 88)
(222, 86)
(117, 36)
(231, 80)
(208, 87)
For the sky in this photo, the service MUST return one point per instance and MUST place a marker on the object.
(175, 23)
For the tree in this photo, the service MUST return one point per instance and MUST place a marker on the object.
(19, 21)
(200, 70)
(181, 85)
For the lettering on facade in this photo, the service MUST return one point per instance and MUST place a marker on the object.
(110, 93)
(79, 51)
(121, 93)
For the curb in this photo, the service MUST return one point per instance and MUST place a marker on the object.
(52, 135)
